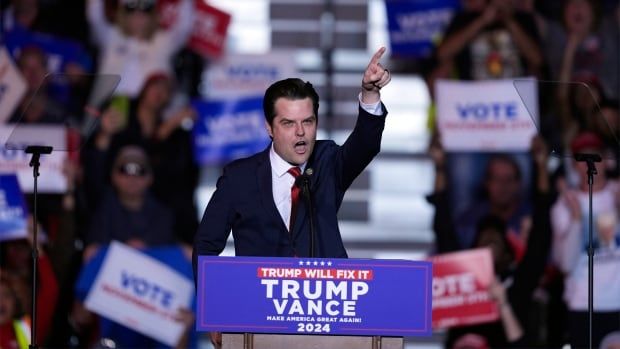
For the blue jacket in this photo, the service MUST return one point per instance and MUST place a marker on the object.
(243, 201)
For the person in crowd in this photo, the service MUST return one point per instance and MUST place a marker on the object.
(569, 218)
(515, 282)
(168, 144)
(128, 211)
(494, 41)
(578, 89)
(169, 147)
(37, 106)
(14, 329)
(573, 46)
(607, 119)
(135, 46)
(503, 197)
(497, 42)
(610, 69)
(27, 23)
(16, 267)
(37, 16)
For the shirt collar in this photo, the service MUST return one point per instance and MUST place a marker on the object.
(279, 166)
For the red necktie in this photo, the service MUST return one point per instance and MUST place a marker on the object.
(295, 172)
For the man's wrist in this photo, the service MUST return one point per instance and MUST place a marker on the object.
(372, 108)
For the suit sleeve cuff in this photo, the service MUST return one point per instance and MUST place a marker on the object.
(372, 108)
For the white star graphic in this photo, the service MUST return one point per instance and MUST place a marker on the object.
(316, 263)
(308, 263)
(329, 263)
(322, 263)
(301, 262)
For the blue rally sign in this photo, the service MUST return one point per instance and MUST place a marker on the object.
(13, 209)
(416, 26)
(229, 129)
(314, 296)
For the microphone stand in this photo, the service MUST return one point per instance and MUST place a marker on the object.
(36, 151)
(590, 159)
(305, 182)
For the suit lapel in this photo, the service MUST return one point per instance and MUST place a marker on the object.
(265, 187)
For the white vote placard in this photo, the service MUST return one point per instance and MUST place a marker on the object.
(246, 75)
(484, 116)
(15, 160)
(140, 293)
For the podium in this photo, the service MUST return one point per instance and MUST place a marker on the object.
(291, 341)
(263, 302)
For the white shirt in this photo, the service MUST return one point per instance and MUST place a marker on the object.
(569, 234)
(133, 59)
(282, 181)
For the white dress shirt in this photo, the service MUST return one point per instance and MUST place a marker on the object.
(282, 181)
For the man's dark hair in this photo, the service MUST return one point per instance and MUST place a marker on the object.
(291, 88)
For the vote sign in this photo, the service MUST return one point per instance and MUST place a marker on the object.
(13, 209)
(416, 26)
(314, 296)
(140, 293)
(14, 160)
(228, 130)
(483, 116)
(460, 288)
(209, 31)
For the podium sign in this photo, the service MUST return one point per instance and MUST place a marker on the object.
(314, 296)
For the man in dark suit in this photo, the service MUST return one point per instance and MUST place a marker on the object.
(255, 196)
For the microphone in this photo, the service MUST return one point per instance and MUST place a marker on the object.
(303, 180)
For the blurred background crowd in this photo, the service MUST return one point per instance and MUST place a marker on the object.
(133, 178)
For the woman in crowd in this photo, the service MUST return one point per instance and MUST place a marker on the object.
(569, 218)
(135, 46)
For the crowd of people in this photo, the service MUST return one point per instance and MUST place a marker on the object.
(131, 178)
(531, 209)
(135, 178)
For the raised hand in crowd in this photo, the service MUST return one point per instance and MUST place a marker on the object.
(512, 327)
(182, 118)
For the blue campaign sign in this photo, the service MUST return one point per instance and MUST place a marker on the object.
(415, 26)
(314, 296)
(59, 51)
(228, 129)
(12, 209)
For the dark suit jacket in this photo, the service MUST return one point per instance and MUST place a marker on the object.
(243, 200)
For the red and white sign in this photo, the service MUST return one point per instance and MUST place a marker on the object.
(210, 29)
(460, 288)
